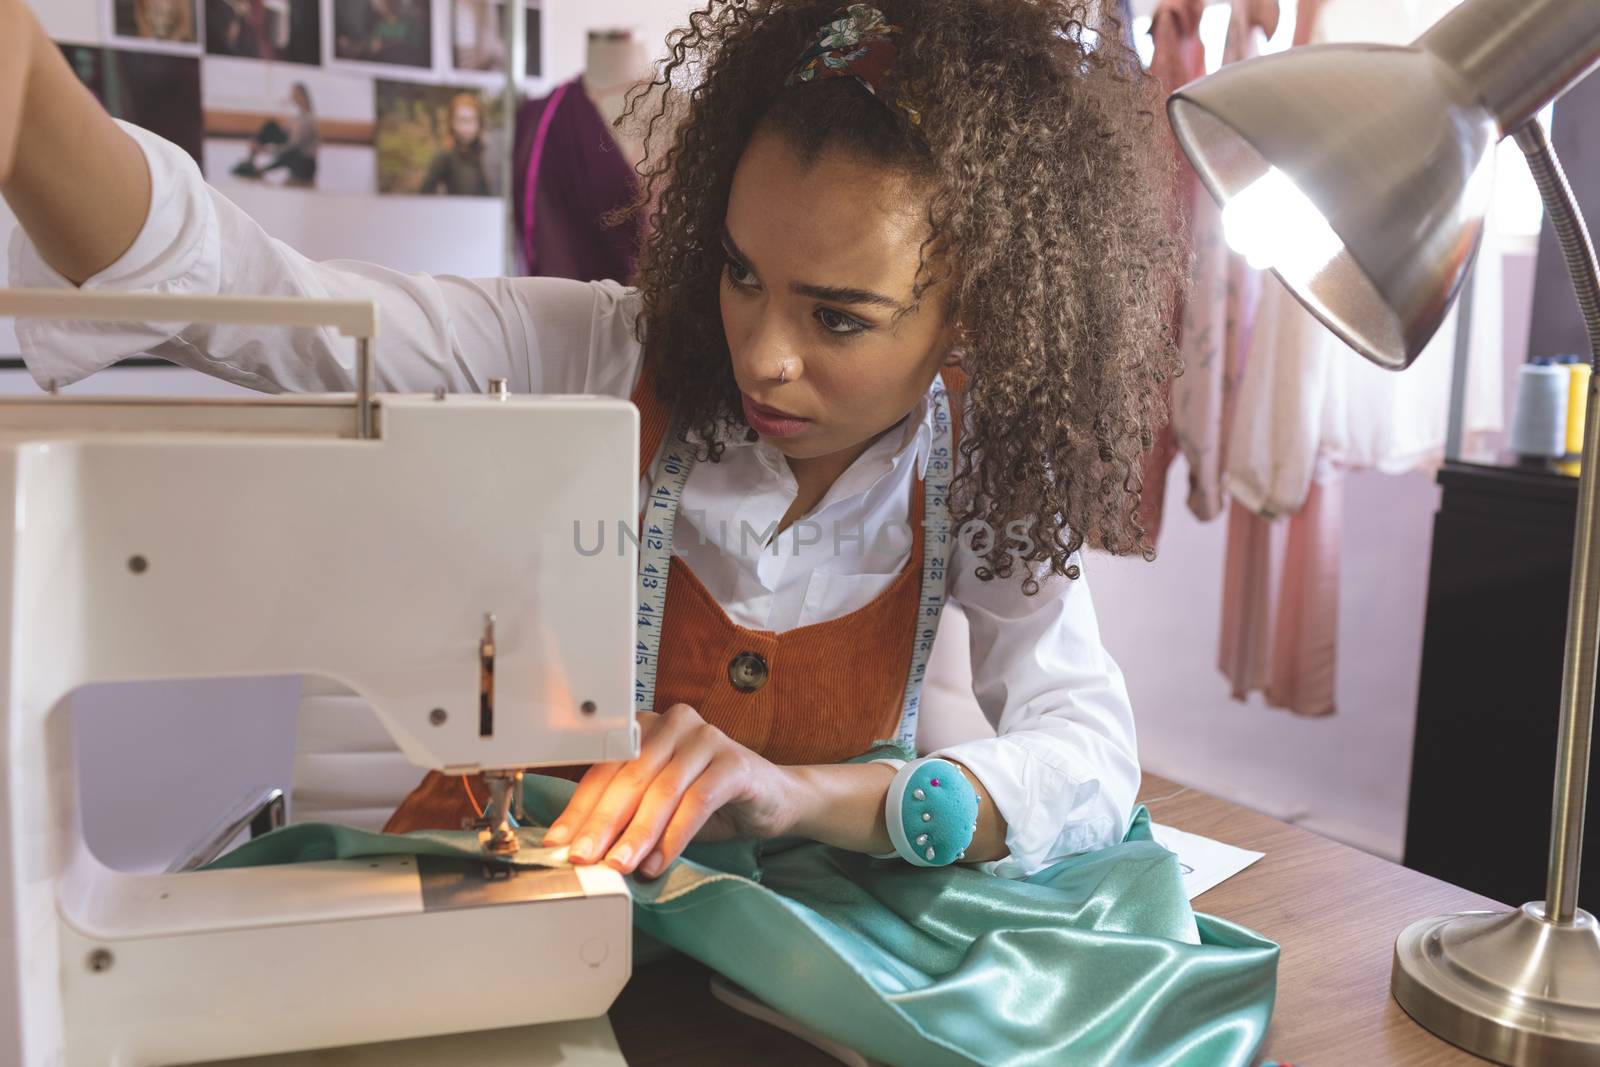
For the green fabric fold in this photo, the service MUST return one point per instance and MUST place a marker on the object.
(1097, 959)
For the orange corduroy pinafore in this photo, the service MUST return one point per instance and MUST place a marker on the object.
(815, 694)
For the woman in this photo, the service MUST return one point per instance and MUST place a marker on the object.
(856, 205)
(457, 169)
(295, 147)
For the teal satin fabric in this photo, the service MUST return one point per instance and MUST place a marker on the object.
(1095, 960)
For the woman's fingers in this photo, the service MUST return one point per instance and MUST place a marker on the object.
(583, 800)
(592, 786)
(716, 786)
(640, 815)
(619, 797)
(660, 801)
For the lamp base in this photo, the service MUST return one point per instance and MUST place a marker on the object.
(1509, 986)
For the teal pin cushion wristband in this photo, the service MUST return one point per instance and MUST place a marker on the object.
(930, 811)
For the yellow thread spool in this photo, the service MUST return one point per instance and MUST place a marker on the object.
(1577, 410)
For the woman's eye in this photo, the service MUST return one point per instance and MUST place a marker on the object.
(838, 322)
(740, 275)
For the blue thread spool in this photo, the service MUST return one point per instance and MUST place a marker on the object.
(1539, 415)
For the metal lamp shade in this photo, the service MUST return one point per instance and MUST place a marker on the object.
(1388, 145)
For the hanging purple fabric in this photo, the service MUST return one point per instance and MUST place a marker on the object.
(570, 174)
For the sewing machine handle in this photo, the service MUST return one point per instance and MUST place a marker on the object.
(352, 318)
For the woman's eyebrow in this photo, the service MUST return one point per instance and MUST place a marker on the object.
(833, 294)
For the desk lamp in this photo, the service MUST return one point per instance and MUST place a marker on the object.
(1358, 173)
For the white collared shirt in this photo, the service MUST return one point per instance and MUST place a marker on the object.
(1062, 767)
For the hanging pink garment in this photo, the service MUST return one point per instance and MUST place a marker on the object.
(1179, 58)
(1251, 654)
(1292, 659)
(1244, 648)
(1307, 409)
(1283, 337)
(1305, 636)
(1219, 311)
(1305, 19)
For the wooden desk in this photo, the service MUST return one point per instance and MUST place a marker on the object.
(1334, 910)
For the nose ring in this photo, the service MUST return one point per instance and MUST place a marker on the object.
(783, 373)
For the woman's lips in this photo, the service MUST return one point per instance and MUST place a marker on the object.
(771, 423)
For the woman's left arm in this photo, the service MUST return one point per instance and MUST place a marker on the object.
(1062, 770)
(1061, 774)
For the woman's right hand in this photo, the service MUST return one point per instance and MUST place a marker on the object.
(16, 43)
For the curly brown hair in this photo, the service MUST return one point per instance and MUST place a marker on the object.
(1050, 176)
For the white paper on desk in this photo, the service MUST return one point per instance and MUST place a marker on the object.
(1205, 863)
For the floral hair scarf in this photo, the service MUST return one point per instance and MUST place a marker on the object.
(858, 44)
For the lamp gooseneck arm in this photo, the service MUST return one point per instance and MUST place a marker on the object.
(1567, 219)
(1583, 605)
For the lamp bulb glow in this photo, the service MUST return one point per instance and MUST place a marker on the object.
(1273, 224)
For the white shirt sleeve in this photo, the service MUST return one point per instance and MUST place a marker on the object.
(544, 335)
(1063, 769)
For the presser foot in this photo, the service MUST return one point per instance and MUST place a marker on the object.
(497, 830)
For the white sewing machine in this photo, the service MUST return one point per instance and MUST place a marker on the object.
(423, 551)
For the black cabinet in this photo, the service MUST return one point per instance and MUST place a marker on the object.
(1484, 761)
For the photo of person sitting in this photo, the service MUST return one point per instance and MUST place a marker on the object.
(292, 147)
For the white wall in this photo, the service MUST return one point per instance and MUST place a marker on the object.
(1346, 775)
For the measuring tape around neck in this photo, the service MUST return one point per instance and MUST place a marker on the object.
(935, 560)
(655, 562)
